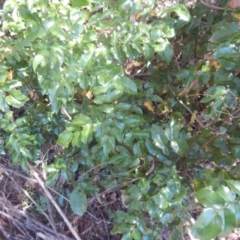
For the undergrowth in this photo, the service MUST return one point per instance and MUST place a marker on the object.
(134, 96)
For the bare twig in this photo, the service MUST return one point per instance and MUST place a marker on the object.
(186, 107)
(22, 221)
(106, 228)
(32, 180)
(112, 188)
(49, 206)
(32, 200)
(49, 195)
(214, 7)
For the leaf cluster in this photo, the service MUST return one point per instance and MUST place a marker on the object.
(140, 97)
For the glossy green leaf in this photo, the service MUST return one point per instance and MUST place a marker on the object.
(52, 178)
(175, 235)
(229, 222)
(86, 134)
(133, 120)
(141, 133)
(127, 236)
(10, 85)
(180, 146)
(16, 99)
(209, 198)
(76, 140)
(137, 150)
(80, 3)
(38, 60)
(234, 185)
(80, 120)
(127, 85)
(160, 200)
(167, 52)
(213, 93)
(181, 11)
(136, 234)
(108, 143)
(224, 32)
(78, 201)
(108, 97)
(159, 138)
(226, 194)
(65, 138)
(208, 225)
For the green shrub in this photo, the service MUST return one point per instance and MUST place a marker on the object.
(140, 96)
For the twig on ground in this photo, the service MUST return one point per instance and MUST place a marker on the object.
(112, 188)
(98, 218)
(49, 206)
(49, 195)
(106, 228)
(30, 179)
(22, 221)
(33, 201)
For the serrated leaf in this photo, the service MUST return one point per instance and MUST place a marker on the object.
(65, 138)
(78, 201)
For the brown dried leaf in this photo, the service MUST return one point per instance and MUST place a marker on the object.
(214, 63)
(33, 95)
(149, 106)
(10, 75)
(193, 117)
(150, 170)
(89, 94)
(137, 16)
(137, 64)
(193, 86)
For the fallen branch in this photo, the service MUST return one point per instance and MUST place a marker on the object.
(54, 203)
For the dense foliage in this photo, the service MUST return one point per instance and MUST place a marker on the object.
(140, 97)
